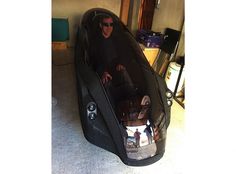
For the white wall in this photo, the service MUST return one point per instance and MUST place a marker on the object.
(169, 15)
(74, 9)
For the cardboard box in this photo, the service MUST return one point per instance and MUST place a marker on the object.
(150, 53)
(59, 45)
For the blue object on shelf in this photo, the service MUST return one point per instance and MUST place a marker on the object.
(60, 30)
(149, 38)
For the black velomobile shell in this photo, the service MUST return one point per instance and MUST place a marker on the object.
(102, 124)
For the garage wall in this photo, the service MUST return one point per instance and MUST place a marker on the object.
(74, 9)
(170, 14)
(181, 48)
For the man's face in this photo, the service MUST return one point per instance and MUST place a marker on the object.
(107, 27)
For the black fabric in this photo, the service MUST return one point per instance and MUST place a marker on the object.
(105, 55)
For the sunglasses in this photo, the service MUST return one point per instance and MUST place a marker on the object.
(107, 24)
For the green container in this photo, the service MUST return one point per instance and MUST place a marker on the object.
(60, 30)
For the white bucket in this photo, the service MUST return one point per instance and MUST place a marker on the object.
(171, 77)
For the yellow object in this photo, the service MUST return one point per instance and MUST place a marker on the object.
(150, 53)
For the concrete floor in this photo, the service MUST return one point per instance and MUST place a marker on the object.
(73, 154)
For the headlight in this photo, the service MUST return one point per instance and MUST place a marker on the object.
(91, 110)
(91, 106)
(169, 102)
(92, 115)
(169, 94)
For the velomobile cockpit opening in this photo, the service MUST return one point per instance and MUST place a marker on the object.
(127, 85)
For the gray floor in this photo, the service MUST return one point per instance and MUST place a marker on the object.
(73, 154)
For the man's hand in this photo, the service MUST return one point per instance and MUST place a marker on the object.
(120, 67)
(106, 77)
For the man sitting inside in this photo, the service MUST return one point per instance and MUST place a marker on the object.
(109, 65)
